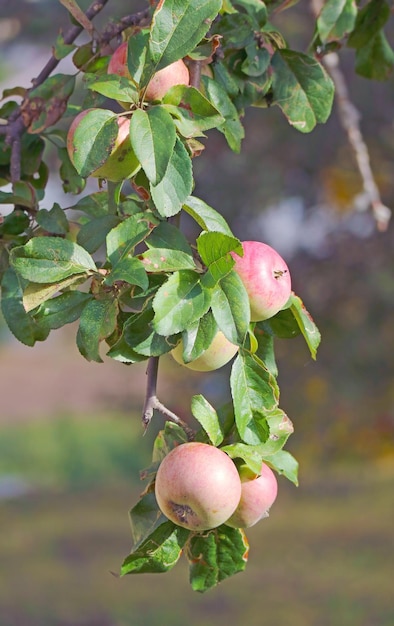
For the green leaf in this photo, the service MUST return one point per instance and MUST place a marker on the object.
(284, 463)
(72, 181)
(25, 328)
(169, 250)
(63, 309)
(159, 552)
(177, 27)
(95, 205)
(49, 101)
(172, 435)
(128, 269)
(37, 293)
(306, 324)
(51, 259)
(255, 394)
(61, 49)
(98, 321)
(375, 60)
(145, 518)
(205, 216)
(214, 249)
(122, 239)
(53, 221)
(178, 303)
(370, 20)
(92, 235)
(198, 337)
(139, 334)
(336, 19)
(302, 89)
(206, 415)
(232, 127)
(113, 86)
(215, 556)
(192, 111)
(153, 135)
(94, 137)
(172, 191)
(231, 308)
(136, 54)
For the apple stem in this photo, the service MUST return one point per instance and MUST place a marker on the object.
(152, 402)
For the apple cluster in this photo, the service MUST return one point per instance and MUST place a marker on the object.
(121, 161)
(199, 487)
(267, 281)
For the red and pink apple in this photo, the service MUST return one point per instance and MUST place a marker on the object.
(197, 486)
(258, 493)
(176, 73)
(266, 278)
(219, 353)
(121, 162)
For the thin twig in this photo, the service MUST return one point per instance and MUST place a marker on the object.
(153, 403)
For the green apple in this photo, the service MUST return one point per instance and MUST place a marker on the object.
(220, 352)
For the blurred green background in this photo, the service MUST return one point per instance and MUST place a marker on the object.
(71, 444)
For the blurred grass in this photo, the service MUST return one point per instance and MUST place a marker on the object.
(324, 557)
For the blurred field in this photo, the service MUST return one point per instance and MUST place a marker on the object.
(324, 556)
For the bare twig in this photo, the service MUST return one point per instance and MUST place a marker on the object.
(350, 119)
(153, 403)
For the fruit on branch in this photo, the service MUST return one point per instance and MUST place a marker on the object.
(220, 352)
(121, 162)
(197, 486)
(266, 278)
(258, 493)
(174, 74)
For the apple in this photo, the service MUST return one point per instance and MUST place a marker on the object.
(197, 486)
(266, 278)
(174, 74)
(258, 493)
(220, 352)
(121, 163)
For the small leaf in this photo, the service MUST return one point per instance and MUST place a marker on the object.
(98, 321)
(193, 112)
(140, 335)
(128, 269)
(214, 249)
(92, 235)
(172, 191)
(206, 415)
(122, 239)
(63, 309)
(37, 293)
(232, 127)
(95, 205)
(169, 250)
(370, 20)
(302, 89)
(152, 135)
(53, 221)
(216, 555)
(198, 337)
(306, 324)
(375, 60)
(205, 216)
(178, 303)
(47, 103)
(113, 86)
(51, 259)
(336, 19)
(284, 463)
(72, 181)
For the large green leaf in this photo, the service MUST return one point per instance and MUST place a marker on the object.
(193, 112)
(64, 309)
(98, 321)
(168, 251)
(255, 394)
(215, 556)
(301, 88)
(231, 307)
(197, 337)
(130, 270)
(375, 60)
(177, 27)
(178, 303)
(171, 192)
(231, 127)
(370, 20)
(152, 135)
(51, 259)
(214, 249)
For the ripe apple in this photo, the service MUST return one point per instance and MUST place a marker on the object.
(121, 163)
(174, 74)
(266, 278)
(197, 486)
(258, 493)
(220, 352)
